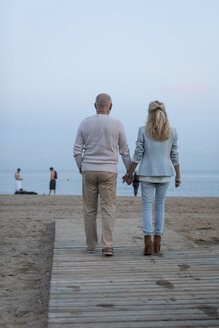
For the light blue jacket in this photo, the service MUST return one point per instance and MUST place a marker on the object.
(157, 157)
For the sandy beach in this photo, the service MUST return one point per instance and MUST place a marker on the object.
(27, 228)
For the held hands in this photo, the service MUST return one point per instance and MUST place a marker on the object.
(127, 178)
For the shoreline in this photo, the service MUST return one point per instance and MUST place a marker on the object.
(27, 235)
(117, 196)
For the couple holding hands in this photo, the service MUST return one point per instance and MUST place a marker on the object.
(98, 140)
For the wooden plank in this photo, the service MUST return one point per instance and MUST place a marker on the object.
(179, 288)
(168, 324)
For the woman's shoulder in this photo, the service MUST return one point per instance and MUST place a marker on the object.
(142, 128)
(174, 134)
(173, 130)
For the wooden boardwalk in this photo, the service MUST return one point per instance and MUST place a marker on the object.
(178, 288)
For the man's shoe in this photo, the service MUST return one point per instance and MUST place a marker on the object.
(91, 250)
(108, 251)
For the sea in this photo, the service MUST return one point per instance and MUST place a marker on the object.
(69, 182)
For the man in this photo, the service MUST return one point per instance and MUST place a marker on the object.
(18, 179)
(96, 153)
(52, 183)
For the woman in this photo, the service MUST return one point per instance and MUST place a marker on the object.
(156, 151)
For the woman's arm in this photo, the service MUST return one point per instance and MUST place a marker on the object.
(178, 176)
(128, 177)
(138, 154)
(174, 155)
(139, 149)
(131, 171)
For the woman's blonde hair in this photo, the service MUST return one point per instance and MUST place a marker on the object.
(157, 126)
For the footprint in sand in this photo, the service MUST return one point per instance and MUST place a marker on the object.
(105, 305)
(165, 284)
(137, 237)
(211, 311)
(184, 267)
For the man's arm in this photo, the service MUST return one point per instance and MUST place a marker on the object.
(78, 148)
(52, 177)
(124, 149)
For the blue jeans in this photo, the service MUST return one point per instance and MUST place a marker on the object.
(147, 192)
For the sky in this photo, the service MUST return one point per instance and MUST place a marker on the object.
(57, 55)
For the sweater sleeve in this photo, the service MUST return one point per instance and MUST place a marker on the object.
(123, 148)
(139, 149)
(78, 147)
(174, 155)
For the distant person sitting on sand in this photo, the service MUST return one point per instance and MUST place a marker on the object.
(24, 192)
(157, 151)
(135, 183)
(52, 183)
(18, 180)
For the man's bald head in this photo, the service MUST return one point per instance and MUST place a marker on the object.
(103, 103)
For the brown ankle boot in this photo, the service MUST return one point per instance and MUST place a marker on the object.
(148, 245)
(157, 240)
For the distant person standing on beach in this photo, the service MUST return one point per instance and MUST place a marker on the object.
(18, 180)
(96, 148)
(135, 183)
(157, 152)
(52, 183)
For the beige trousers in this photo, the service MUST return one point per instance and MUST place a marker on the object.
(104, 184)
